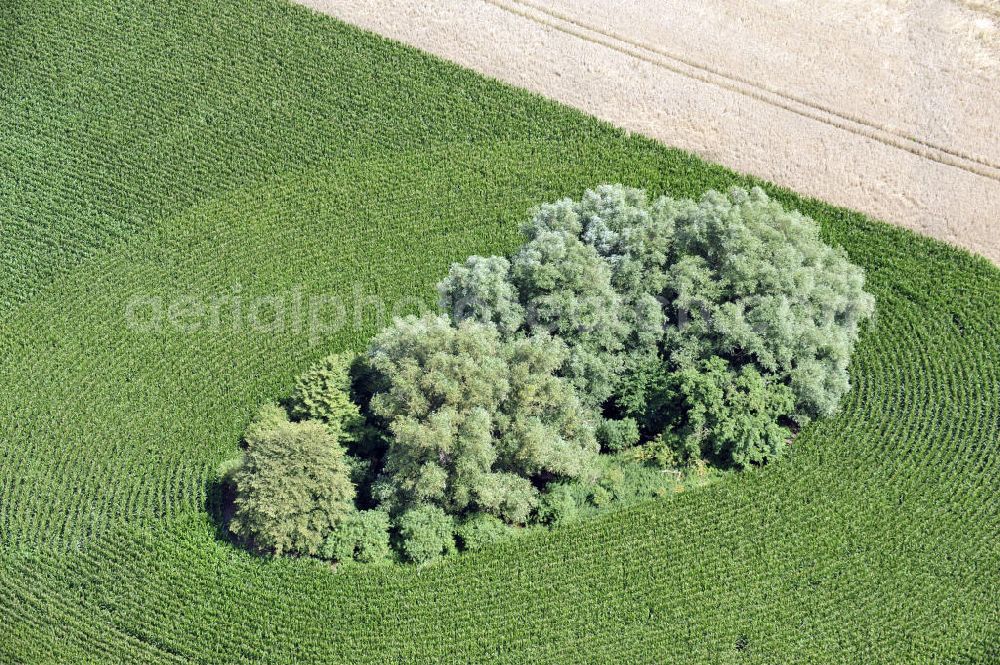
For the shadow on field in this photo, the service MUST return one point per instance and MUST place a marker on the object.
(220, 495)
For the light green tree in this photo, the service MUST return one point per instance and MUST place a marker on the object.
(425, 533)
(292, 488)
(474, 419)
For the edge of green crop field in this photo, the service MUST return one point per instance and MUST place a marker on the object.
(104, 558)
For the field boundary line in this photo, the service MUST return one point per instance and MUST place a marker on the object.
(659, 57)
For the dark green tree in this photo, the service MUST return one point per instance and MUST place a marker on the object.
(324, 393)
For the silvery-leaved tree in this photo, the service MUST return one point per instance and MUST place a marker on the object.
(755, 284)
(648, 294)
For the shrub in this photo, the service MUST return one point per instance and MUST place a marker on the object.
(362, 536)
(612, 479)
(601, 496)
(480, 530)
(227, 470)
(664, 451)
(617, 435)
(425, 533)
(293, 487)
(559, 505)
(632, 479)
(473, 418)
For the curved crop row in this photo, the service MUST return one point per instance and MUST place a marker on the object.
(874, 540)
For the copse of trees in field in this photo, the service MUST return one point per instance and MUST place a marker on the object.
(670, 334)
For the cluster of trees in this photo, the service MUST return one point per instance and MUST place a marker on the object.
(676, 331)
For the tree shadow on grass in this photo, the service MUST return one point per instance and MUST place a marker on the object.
(220, 495)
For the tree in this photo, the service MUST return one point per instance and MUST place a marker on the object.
(754, 283)
(292, 489)
(324, 393)
(474, 419)
(730, 415)
(641, 291)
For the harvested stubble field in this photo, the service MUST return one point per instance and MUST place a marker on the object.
(175, 150)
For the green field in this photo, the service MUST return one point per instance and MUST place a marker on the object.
(179, 149)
